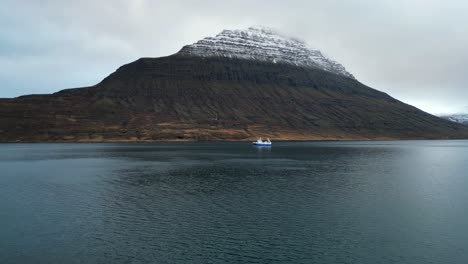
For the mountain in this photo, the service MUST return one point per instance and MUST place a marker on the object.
(459, 118)
(237, 85)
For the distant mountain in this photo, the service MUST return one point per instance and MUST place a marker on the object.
(459, 118)
(237, 85)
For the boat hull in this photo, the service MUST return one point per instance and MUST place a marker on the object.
(262, 144)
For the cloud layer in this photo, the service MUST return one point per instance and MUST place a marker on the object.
(414, 50)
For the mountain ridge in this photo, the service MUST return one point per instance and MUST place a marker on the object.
(264, 44)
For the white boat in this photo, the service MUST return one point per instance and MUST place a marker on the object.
(260, 142)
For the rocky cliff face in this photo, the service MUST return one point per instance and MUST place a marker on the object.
(198, 94)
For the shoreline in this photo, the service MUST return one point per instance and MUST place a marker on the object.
(226, 141)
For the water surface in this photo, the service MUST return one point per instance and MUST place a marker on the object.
(314, 202)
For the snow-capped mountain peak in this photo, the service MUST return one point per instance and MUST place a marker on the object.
(263, 44)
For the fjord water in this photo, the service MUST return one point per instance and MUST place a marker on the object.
(296, 202)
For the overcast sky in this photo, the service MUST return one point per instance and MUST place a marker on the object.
(414, 50)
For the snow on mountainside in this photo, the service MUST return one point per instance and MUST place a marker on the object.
(459, 118)
(264, 45)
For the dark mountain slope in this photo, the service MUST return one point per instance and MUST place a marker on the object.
(184, 97)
